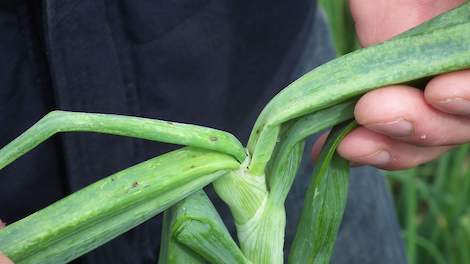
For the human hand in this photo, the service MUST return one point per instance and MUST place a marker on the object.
(3, 258)
(402, 126)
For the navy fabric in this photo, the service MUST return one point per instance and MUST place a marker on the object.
(213, 63)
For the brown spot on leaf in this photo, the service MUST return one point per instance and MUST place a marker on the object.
(213, 138)
(135, 184)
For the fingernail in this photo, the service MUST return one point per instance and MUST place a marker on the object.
(378, 158)
(397, 128)
(456, 105)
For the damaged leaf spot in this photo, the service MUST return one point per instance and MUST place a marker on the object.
(213, 138)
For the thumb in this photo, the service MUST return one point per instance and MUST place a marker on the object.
(379, 20)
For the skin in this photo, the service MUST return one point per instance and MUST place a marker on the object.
(3, 258)
(402, 126)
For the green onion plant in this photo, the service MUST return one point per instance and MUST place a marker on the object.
(253, 180)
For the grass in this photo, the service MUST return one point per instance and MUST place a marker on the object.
(432, 207)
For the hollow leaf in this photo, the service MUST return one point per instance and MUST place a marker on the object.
(129, 126)
(96, 214)
(198, 226)
(171, 251)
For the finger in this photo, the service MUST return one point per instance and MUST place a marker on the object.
(450, 92)
(363, 146)
(379, 20)
(4, 259)
(401, 112)
(317, 146)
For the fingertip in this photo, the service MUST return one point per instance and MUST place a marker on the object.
(386, 104)
(450, 93)
(363, 146)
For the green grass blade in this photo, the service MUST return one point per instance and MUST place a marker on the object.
(324, 204)
(145, 128)
(458, 184)
(464, 239)
(111, 206)
(410, 220)
(432, 250)
(198, 226)
(341, 25)
(441, 173)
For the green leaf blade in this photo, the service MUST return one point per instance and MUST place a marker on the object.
(111, 206)
(324, 204)
(129, 126)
